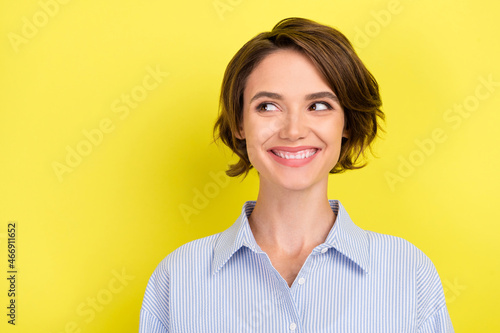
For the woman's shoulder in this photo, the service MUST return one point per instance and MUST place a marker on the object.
(197, 253)
(393, 247)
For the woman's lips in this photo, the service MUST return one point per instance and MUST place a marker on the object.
(293, 156)
(301, 154)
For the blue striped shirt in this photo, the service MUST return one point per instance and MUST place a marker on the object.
(356, 281)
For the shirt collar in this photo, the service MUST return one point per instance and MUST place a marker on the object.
(346, 237)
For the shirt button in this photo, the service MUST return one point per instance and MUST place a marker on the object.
(301, 281)
(324, 250)
(293, 326)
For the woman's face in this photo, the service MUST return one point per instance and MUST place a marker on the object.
(292, 121)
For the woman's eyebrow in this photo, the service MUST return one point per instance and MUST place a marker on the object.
(322, 94)
(317, 95)
(266, 94)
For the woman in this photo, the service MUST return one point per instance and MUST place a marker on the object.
(297, 104)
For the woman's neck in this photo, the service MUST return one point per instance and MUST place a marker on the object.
(291, 221)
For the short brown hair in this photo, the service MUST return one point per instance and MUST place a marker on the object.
(335, 58)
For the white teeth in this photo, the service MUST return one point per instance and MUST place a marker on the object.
(297, 156)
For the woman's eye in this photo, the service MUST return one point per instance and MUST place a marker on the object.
(321, 106)
(266, 107)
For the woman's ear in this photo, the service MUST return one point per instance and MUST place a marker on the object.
(345, 133)
(240, 134)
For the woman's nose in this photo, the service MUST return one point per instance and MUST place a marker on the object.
(294, 126)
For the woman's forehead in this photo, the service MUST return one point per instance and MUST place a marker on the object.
(285, 72)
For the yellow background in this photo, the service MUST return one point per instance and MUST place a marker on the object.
(118, 212)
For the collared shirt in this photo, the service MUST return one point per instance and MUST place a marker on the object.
(356, 281)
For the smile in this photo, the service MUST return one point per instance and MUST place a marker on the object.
(294, 157)
(300, 155)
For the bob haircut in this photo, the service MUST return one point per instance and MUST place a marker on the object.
(335, 58)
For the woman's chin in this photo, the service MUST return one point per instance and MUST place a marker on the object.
(289, 182)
